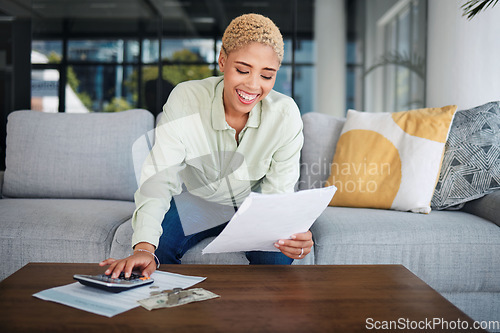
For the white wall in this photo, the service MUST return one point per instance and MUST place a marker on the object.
(463, 56)
(329, 35)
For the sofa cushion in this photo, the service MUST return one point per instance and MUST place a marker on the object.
(194, 256)
(321, 133)
(471, 163)
(121, 248)
(485, 207)
(479, 306)
(452, 251)
(70, 230)
(65, 155)
(390, 160)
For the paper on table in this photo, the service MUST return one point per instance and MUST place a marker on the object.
(108, 304)
(262, 219)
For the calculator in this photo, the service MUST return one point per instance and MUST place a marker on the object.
(121, 283)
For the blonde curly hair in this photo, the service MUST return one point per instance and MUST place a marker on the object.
(249, 28)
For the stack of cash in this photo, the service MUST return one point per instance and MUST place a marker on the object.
(176, 297)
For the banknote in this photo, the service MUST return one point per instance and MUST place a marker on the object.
(176, 297)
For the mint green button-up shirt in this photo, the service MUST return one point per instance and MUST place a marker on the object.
(196, 147)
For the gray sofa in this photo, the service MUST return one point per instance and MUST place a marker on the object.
(69, 183)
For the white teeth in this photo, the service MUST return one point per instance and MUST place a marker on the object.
(246, 96)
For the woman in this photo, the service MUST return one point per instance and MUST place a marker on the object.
(221, 138)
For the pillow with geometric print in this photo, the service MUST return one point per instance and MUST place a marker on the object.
(471, 163)
(390, 160)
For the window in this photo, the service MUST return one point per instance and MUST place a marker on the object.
(398, 64)
(109, 58)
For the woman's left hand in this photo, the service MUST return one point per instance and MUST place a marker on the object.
(297, 247)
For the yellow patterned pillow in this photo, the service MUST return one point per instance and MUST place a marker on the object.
(390, 160)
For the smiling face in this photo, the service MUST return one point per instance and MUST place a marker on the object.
(249, 75)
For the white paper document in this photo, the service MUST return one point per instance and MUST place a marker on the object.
(263, 219)
(109, 304)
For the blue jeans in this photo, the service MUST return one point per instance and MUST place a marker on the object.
(173, 243)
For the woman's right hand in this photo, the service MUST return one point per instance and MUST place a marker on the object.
(144, 261)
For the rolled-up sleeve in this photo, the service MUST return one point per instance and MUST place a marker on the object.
(284, 169)
(159, 179)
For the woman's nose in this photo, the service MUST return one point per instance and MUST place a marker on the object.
(252, 81)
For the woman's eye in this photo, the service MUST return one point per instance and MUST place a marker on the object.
(267, 77)
(241, 72)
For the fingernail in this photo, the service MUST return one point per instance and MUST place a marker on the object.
(281, 242)
(107, 272)
(293, 237)
(276, 245)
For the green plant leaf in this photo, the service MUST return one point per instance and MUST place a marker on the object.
(473, 7)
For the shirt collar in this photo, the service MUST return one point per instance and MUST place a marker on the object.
(218, 116)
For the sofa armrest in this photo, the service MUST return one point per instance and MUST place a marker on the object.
(1, 182)
(485, 207)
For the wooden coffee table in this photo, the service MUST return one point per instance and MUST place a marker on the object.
(253, 299)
